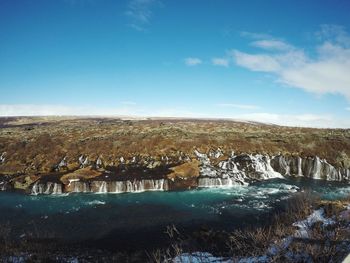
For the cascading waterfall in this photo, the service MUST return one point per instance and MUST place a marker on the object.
(79, 187)
(262, 165)
(315, 168)
(103, 187)
(48, 188)
(3, 186)
(35, 189)
(237, 170)
(218, 182)
(132, 186)
(316, 171)
(213, 172)
(300, 172)
(57, 189)
(129, 186)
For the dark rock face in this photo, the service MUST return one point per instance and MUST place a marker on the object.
(5, 184)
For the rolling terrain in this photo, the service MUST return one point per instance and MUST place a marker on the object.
(71, 154)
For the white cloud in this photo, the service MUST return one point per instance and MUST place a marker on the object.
(261, 62)
(272, 44)
(297, 120)
(238, 106)
(193, 61)
(348, 108)
(327, 72)
(224, 62)
(254, 35)
(140, 13)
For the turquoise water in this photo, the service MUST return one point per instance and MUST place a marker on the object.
(108, 217)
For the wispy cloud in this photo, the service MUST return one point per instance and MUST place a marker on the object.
(333, 33)
(193, 61)
(272, 44)
(348, 108)
(238, 106)
(298, 120)
(140, 13)
(327, 72)
(256, 62)
(254, 35)
(224, 62)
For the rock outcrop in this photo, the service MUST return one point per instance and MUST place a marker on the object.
(2, 157)
(162, 173)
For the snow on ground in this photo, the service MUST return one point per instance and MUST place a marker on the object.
(304, 225)
(200, 257)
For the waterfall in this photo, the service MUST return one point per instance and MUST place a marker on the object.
(237, 169)
(46, 188)
(57, 189)
(3, 186)
(218, 182)
(103, 187)
(79, 187)
(129, 186)
(316, 171)
(300, 173)
(119, 187)
(262, 165)
(35, 189)
(315, 168)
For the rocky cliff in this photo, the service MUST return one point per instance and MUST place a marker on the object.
(58, 155)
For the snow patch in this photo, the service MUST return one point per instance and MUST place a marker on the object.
(305, 225)
(199, 257)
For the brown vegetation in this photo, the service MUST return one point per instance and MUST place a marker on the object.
(36, 145)
(186, 170)
(81, 174)
(324, 243)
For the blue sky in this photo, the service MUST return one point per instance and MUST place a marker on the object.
(284, 62)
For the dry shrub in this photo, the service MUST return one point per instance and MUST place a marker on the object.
(250, 242)
(299, 206)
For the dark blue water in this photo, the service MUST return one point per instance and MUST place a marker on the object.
(129, 218)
